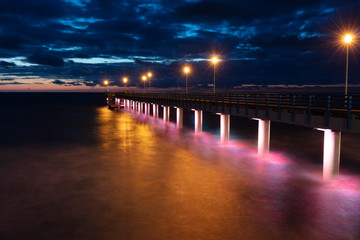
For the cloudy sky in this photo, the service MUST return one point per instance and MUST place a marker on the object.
(76, 44)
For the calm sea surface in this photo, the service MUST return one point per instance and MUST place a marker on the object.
(70, 168)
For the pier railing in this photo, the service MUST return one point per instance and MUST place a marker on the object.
(327, 106)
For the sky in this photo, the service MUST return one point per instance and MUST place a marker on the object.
(74, 45)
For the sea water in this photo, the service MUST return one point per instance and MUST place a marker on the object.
(70, 168)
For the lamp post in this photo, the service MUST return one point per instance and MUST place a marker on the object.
(347, 39)
(106, 82)
(214, 60)
(149, 76)
(125, 79)
(186, 71)
(144, 79)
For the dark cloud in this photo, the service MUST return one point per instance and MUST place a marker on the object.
(292, 41)
(116, 26)
(39, 9)
(90, 83)
(73, 83)
(7, 79)
(260, 41)
(211, 10)
(6, 65)
(11, 83)
(58, 82)
(86, 70)
(48, 59)
(13, 41)
(82, 55)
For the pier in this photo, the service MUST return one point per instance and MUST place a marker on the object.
(331, 114)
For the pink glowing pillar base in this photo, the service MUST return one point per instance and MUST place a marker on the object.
(198, 121)
(224, 128)
(179, 117)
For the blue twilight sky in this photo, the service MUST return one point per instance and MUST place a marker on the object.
(76, 44)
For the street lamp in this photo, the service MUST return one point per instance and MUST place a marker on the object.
(186, 71)
(348, 38)
(144, 79)
(149, 76)
(106, 82)
(125, 79)
(214, 61)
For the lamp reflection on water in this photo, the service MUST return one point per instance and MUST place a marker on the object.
(122, 130)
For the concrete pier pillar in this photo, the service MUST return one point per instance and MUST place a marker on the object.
(179, 117)
(147, 109)
(331, 158)
(141, 107)
(263, 137)
(224, 128)
(155, 110)
(198, 121)
(133, 105)
(166, 116)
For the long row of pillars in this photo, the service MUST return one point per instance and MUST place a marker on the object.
(332, 139)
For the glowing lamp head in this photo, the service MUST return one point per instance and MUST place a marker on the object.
(348, 38)
(149, 74)
(106, 82)
(143, 78)
(214, 60)
(186, 70)
(125, 80)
